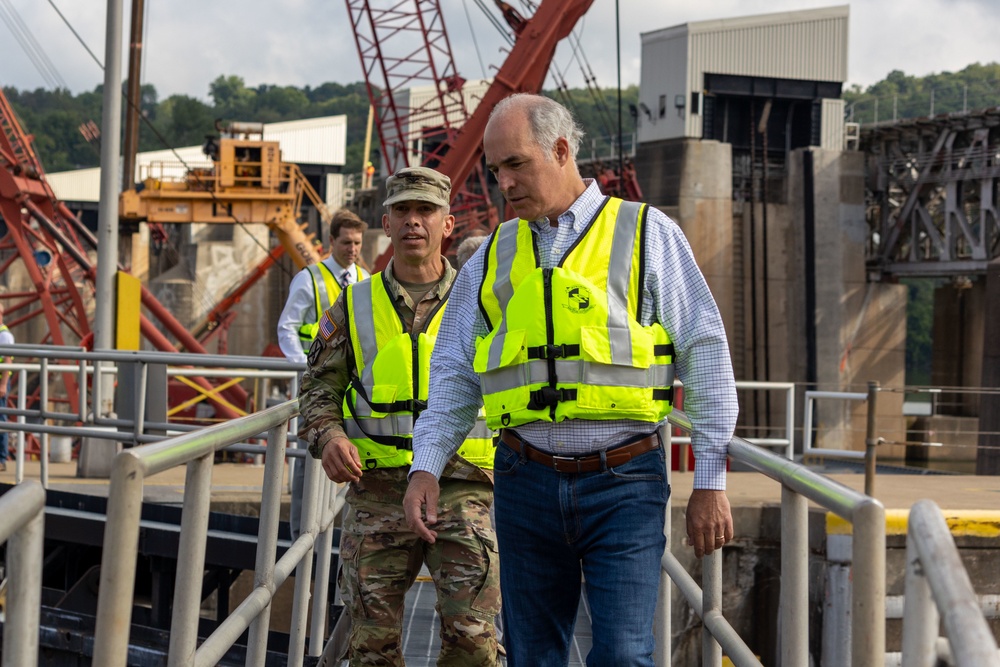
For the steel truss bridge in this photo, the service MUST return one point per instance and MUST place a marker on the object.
(932, 195)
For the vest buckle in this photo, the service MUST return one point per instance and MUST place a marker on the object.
(549, 397)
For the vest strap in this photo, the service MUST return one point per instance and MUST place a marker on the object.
(664, 394)
(663, 350)
(407, 405)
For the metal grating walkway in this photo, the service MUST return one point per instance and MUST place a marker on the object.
(421, 641)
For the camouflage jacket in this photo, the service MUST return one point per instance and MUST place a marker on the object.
(332, 366)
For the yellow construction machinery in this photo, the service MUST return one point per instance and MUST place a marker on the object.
(247, 183)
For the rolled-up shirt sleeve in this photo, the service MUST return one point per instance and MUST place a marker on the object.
(454, 396)
(682, 302)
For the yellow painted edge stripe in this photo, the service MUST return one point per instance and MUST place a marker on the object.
(968, 523)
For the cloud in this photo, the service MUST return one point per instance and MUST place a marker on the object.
(303, 42)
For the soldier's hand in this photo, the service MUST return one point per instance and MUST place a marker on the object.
(422, 497)
(341, 461)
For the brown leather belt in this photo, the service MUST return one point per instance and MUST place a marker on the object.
(589, 463)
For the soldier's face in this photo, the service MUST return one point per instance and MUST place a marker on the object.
(417, 229)
(346, 247)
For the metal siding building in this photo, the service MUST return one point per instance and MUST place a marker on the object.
(311, 141)
(810, 45)
(423, 97)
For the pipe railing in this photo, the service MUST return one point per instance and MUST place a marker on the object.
(799, 485)
(937, 588)
(196, 450)
(83, 364)
(22, 528)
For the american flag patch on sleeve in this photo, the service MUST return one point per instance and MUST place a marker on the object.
(327, 327)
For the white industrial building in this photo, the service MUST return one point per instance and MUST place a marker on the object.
(424, 118)
(699, 78)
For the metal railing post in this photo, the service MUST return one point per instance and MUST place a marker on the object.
(23, 527)
(920, 617)
(794, 594)
(303, 572)
(970, 638)
(871, 440)
(790, 422)
(190, 561)
(118, 562)
(22, 389)
(711, 605)
(868, 585)
(321, 584)
(274, 468)
(661, 621)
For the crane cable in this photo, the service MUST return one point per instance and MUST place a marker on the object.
(36, 54)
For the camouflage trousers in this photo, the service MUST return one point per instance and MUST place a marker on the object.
(381, 558)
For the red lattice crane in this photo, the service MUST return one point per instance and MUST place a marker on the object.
(404, 44)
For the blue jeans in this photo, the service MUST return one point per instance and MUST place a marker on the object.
(552, 525)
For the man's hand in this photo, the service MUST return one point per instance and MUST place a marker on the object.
(341, 461)
(709, 521)
(422, 495)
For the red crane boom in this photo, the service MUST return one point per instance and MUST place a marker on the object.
(394, 68)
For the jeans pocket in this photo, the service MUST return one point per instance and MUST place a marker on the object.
(506, 460)
(646, 467)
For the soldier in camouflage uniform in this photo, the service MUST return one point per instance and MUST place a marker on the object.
(359, 422)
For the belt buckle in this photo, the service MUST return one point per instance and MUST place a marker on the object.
(572, 460)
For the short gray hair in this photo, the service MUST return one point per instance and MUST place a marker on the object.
(468, 247)
(548, 119)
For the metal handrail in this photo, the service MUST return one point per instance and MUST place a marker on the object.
(937, 584)
(799, 484)
(196, 450)
(22, 526)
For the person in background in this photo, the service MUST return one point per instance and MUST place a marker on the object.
(569, 326)
(312, 291)
(6, 338)
(365, 388)
(468, 247)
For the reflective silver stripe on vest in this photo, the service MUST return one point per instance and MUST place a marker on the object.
(506, 245)
(319, 286)
(362, 312)
(576, 371)
(400, 425)
(619, 276)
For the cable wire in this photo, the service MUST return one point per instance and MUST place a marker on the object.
(32, 48)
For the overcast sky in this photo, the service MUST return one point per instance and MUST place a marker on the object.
(298, 42)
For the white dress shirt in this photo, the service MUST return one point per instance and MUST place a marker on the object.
(675, 294)
(301, 307)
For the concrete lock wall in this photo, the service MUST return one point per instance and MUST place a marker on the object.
(860, 327)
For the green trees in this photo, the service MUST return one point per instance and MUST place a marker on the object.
(54, 116)
(902, 96)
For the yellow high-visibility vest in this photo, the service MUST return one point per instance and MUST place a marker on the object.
(321, 275)
(566, 343)
(392, 374)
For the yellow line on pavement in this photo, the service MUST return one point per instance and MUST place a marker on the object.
(968, 523)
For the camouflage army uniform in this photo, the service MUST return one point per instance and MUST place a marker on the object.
(380, 556)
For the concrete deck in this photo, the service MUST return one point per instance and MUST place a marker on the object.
(241, 482)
